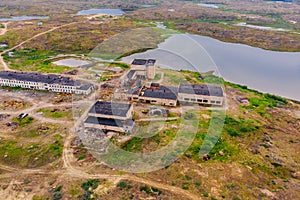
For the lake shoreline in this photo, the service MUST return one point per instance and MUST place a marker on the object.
(272, 72)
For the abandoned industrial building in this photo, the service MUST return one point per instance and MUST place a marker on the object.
(142, 69)
(201, 94)
(110, 116)
(50, 82)
(170, 95)
(163, 95)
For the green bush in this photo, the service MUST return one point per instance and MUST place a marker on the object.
(124, 185)
(57, 195)
(25, 121)
(90, 183)
(233, 132)
(150, 190)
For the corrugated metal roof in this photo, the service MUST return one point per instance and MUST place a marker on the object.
(201, 89)
(110, 108)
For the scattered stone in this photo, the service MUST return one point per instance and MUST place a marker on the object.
(221, 153)
(4, 187)
(28, 190)
(267, 192)
(12, 124)
(254, 149)
(4, 116)
(296, 175)
(174, 126)
(206, 157)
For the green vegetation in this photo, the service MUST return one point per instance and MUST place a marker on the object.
(88, 187)
(259, 104)
(150, 190)
(134, 144)
(2, 26)
(33, 60)
(56, 148)
(129, 42)
(262, 101)
(36, 130)
(236, 128)
(124, 185)
(104, 78)
(30, 154)
(74, 190)
(117, 64)
(24, 122)
(55, 113)
(12, 88)
(57, 195)
(173, 77)
(81, 157)
(35, 197)
(157, 77)
(197, 77)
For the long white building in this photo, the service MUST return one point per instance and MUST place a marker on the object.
(50, 82)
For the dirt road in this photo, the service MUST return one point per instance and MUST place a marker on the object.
(40, 34)
(2, 62)
(4, 30)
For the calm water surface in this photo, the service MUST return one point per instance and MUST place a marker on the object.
(23, 18)
(263, 70)
(113, 12)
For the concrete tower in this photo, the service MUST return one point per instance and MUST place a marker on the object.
(150, 69)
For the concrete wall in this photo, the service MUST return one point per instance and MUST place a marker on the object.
(138, 67)
(151, 72)
(124, 129)
(167, 102)
(103, 127)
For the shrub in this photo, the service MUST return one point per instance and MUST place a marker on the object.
(233, 132)
(122, 184)
(57, 195)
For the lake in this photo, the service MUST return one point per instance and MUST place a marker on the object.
(208, 5)
(243, 24)
(113, 12)
(267, 71)
(148, 5)
(23, 18)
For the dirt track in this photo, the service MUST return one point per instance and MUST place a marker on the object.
(4, 65)
(4, 30)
